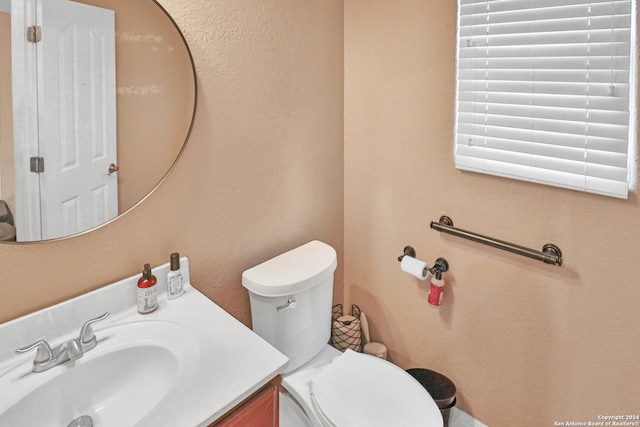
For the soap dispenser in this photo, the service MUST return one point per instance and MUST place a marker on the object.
(147, 291)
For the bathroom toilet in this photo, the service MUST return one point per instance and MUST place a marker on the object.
(291, 297)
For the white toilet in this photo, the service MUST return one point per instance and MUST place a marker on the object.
(291, 298)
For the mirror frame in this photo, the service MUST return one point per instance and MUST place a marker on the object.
(171, 167)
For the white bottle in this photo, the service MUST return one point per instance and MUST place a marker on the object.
(175, 286)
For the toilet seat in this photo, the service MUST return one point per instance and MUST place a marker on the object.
(355, 389)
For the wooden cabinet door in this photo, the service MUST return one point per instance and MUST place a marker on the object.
(259, 410)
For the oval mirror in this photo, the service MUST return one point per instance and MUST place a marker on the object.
(97, 99)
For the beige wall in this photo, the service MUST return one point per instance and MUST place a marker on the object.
(526, 343)
(262, 172)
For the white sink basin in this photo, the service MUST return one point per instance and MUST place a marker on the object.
(183, 365)
(134, 366)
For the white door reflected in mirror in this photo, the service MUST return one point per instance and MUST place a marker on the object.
(71, 47)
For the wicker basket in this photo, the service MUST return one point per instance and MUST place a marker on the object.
(346, 332)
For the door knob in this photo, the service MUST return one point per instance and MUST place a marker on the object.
(113, 168)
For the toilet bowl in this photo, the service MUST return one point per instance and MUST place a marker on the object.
(355, 389)
(291, 298)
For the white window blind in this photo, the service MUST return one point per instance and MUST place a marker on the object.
(546, 92)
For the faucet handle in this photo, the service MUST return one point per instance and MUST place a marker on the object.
(44, 353)
(87, 337)
(74, 349)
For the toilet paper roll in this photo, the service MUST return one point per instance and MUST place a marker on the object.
(346, 333)
(415, 267)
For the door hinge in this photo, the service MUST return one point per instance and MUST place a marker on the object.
(37, 164)
(34, 34)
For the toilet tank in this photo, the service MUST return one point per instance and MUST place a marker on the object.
(291, 298)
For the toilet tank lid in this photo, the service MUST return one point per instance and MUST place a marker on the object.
(291, 272)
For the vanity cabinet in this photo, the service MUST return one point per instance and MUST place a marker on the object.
(261, 409)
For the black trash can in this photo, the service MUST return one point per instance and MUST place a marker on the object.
(441, 389)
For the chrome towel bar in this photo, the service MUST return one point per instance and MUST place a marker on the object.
(550, 253)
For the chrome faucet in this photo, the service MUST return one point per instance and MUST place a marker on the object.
(46, 358)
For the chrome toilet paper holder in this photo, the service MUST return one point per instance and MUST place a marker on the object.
(408, 251)
(439, 266)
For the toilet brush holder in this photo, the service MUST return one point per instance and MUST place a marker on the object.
(346, 331)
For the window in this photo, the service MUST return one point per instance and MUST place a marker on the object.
(546, 92)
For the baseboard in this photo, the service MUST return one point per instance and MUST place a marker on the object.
(459, 418)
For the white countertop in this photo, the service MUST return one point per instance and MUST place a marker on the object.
(226, 361)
